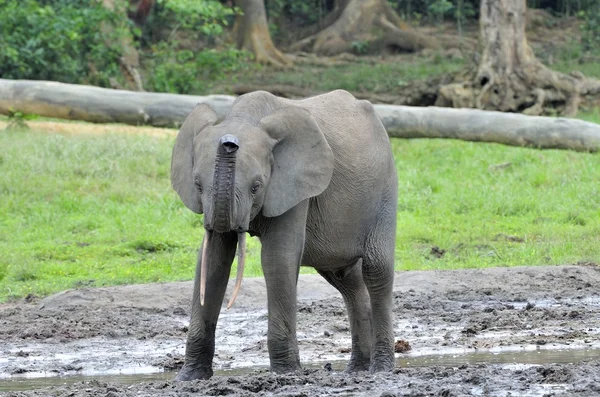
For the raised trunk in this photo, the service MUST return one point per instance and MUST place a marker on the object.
(224, 184)
(509, 77)
(251, 32)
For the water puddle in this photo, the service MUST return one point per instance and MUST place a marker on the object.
(22, 383)
(508, 359)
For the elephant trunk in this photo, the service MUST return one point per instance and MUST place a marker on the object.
(223, 202)
(224, 184)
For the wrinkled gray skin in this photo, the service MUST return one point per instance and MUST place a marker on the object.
(315, 180)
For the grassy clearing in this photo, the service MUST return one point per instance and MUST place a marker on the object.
(492, 205)
(98, 210)
(362, 75)
(387, 74)
(570, 57)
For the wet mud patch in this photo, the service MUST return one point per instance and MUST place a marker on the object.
(526, 331)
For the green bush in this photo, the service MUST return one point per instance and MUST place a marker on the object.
(198, 21)
(206, 16)
(188, 72)
(185, 56)
(590, 35)
(299, 12)
(68, 41)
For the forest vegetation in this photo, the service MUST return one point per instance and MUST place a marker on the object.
(414, 52)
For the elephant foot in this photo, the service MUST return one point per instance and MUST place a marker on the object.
(351, 368)
(358, 365)
(286, 368)
(189, 373)
(382, 365)
(382, 359)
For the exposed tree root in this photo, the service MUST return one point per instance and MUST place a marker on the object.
(369, 26)
(509, 77)
(365, 21)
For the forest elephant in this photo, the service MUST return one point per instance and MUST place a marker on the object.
(315, 180)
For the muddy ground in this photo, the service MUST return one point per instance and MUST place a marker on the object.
(493, 332)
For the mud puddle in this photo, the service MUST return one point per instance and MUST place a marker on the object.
(521, 331)
(509, 359)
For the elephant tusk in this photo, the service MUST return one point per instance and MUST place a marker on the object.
(203, 266)
(240, 267)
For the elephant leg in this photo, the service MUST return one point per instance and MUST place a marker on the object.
(282, 247)
(200, 346)
(350, 283)
(378, 275)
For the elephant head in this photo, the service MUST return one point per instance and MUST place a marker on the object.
(247, 165)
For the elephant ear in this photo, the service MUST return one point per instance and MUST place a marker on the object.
(303, 160)
(182, 160)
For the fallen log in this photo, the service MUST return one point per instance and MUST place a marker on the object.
(101, 105)
(512, 129)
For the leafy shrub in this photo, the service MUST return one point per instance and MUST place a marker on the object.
(301, 12)
(180, 61)
(360, 47)
(439, 8)
(189, 72)
(590, 37)
(207, 17)
(199, 21)
(69, 41)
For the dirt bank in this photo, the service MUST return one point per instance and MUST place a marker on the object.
(525, 331)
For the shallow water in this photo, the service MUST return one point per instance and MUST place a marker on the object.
(510, 359)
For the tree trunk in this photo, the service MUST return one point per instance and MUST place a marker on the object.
(328, 20)
(102, 105)
(370, 23)
(509, 77)
(251, 32)
(139, 10)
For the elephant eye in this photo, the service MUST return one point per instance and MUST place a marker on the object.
(198, 185)
(255, 187)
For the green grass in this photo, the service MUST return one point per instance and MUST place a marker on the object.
(592, 116)
(363, 74)
(98, 210)
(492, 205)
(571, 57)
